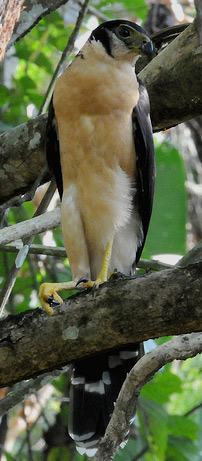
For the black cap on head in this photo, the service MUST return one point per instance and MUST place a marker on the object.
(101, 32)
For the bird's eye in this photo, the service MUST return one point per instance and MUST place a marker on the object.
(124, 32)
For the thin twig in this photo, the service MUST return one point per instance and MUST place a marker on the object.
(197, 407)
(193, 256)
(67, 51)
(141, 453)
(153, 265)
(92, 10)
(10, 281)
(180, 348)
(29, 227)
(21, 391)
(60, 252)
(29, 446)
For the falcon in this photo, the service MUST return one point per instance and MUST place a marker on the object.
(99, 146)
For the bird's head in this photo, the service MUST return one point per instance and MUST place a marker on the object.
(123, 39)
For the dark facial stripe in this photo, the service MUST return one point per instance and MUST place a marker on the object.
(101, 34)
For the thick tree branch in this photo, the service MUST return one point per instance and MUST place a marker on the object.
(9, 16)
(198, 6)
(21, 157)
(179, 348)
(173, 82)
(175, 90)
(122, 312)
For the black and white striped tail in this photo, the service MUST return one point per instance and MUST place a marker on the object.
(95, 386)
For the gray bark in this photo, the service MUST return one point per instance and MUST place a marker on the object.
(121, 312)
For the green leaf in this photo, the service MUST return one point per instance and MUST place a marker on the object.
(181, 449)
(26, 83)
(157, 419)
(131, 450)
(43, 61)
(8, 456)
(61, 383)
(35, 97)
(59, 454)
(140, 8)
(162, 386)
(22, 51)
(4, 95)
(167, 232)
(183, 426)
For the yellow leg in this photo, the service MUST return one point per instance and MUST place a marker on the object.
(102, 277)
(48, 293)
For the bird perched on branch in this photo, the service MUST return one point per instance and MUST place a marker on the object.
(100, 148)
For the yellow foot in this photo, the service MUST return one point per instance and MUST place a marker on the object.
(102, 277)
(48, 294)
(94, 283)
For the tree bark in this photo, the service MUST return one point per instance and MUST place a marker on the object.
(33, 12)
(175, 90)
(9, 16)
(21, 157)
(173, 81)
(123, 311)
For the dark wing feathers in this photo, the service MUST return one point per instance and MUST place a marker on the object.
(52, 148)
(144, 146)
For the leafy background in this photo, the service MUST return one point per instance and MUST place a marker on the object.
(168, 425)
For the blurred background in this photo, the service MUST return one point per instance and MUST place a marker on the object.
(168, 425)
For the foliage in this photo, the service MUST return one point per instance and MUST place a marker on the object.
(163, 430)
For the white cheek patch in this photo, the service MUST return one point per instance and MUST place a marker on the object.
(118, 48)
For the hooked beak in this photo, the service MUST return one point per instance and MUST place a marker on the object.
(147, 48)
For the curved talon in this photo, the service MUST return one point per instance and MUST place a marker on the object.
(48, 297)
(94, 284)
(52, 301)
(89, 284)
(82, 280)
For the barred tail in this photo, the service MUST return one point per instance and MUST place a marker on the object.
(95, 386)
